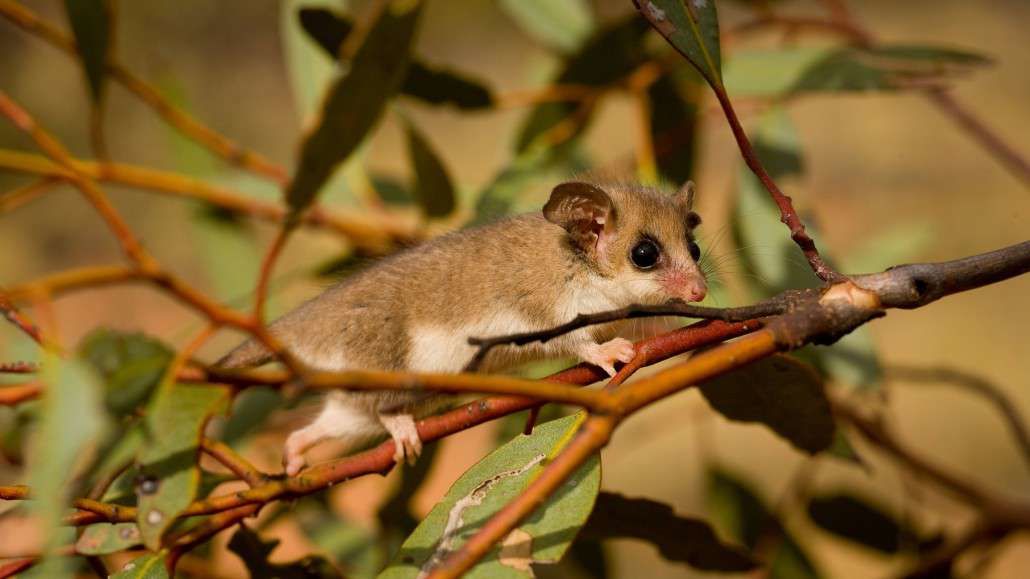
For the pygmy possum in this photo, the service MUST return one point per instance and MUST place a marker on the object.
(596, 246)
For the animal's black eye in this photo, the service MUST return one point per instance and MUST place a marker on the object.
(644, 254)
(695, 250)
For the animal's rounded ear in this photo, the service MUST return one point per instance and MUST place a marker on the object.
(685, 195)
(582, 209)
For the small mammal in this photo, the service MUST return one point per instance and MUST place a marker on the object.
(595, 247)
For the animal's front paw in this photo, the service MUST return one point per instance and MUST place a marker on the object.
(605, 355)
(293, 452)
(407, 444)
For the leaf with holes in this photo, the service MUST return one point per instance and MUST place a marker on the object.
(107, 538)
(677, 538)
(168, 461)
(780, 392)
(91, 23)
(489, 485)
(356, 101)
(131, 366)
(563, 25)
(692, 27)
(433, 188)
(149, 566)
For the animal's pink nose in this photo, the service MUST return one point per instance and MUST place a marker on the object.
(695, 291)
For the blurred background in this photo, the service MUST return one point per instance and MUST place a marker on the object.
(888, 178)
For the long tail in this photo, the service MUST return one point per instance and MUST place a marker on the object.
(248, 354)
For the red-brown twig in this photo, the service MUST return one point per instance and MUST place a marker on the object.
(19, 320)
(18, 367)
(18, 393)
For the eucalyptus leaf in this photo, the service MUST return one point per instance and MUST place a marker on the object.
(91, 23)
(677, 538)
(107, 538)
(434, 190)
(747, 518)
(149, 566)
(309, 70)
(673, 126)
(692, 27)
(356, 101)
(562, 25)
(255, 552)
(780, 392)
(130, 364)
(168, 461)
(862, 521)
(609, 55)
(72, 421)
(486, 488)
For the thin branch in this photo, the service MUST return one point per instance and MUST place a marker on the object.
(19, 367)
(18, 319)
(374, 234)
(763, 309)
(977, 385)
(16, 394)
(231, 460)
(265, 272)
(49, 145)
(208, 138)
(15, 198)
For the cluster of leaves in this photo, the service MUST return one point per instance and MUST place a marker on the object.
(117, 393)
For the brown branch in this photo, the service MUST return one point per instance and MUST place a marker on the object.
(49, 145)
(231, 460)
(208, 138)
(19, 367)
(15, 198)
(374, 234)
(771, 307)
(265, 272)
(18, 393)
(18, 319)
(977, 385)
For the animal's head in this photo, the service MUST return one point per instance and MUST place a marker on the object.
(640, 239)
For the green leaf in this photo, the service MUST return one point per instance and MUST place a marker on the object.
(309, 70)
(72, 420)
(433, 189)
(890, 247)
(356, 101)
(677, 538)
(90, 21)
(562, 25)
(427, 83)
(673, 129)
(107, 538)
(861, 521)
(175, 422)
(149, 566)
(780, 392)
(250, 408)
(440, 86)
(255, 552)
(608, 56)
(499, 197)
(130, 364)
(486, 488)
(805, 69)
(745, 516)
(692, 27)
(884, 68)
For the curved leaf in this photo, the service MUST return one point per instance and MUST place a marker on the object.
(780, 392)
(486, 488)
(175, 422)
(609, 55)
(149, 566)
(131, 365)
(677, 538)
(72, 420)
(692, 27)
(90, 22)
(563, 25)
(356, 101)
(860, 521)
(255, 552)
(434, 190)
